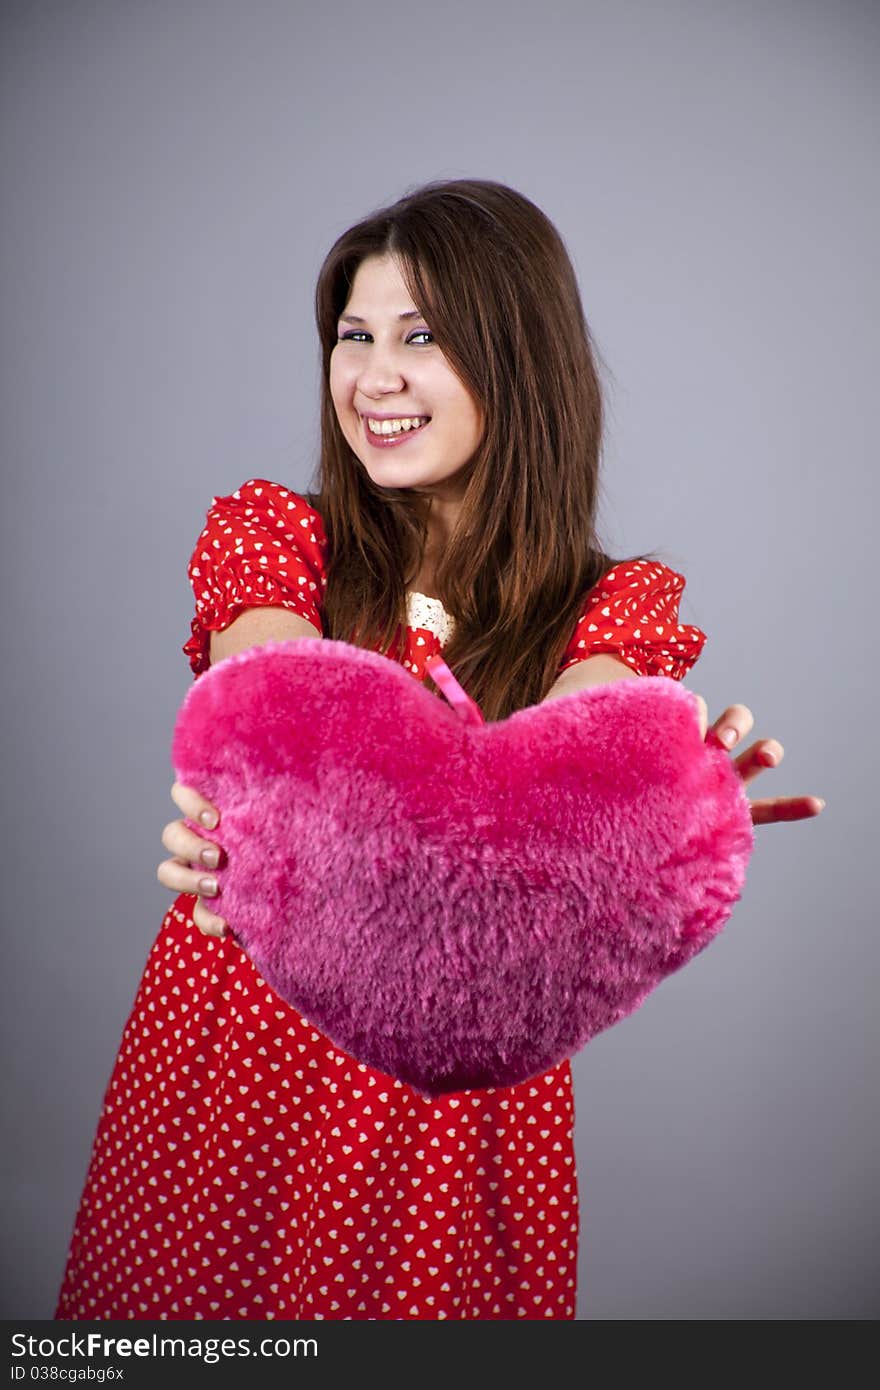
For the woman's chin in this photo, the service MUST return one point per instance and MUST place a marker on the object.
(387, 472)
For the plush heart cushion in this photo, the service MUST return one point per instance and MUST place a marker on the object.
(459, 904)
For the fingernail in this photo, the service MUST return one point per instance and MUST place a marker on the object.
(728, 737)
(208, 886)
(210, 856)
(208, 819)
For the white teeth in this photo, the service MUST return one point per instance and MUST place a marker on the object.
(406, 422)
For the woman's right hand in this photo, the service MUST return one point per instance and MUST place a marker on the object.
(187, 848)
(726, 732)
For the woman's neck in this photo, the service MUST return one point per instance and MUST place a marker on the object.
(424, 580)
(441, 522)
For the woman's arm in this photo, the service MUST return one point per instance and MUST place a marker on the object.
(593, 670)
(255, 626)
(729, 729)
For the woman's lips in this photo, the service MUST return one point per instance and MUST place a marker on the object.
(392, 441)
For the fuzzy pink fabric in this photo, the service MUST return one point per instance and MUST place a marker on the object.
(459, 906)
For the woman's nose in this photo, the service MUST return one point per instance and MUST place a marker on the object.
(380, 373)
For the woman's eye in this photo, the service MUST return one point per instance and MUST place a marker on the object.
(357, 334)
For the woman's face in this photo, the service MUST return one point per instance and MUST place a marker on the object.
(386, 369)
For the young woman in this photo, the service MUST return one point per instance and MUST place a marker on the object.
(244, 1167)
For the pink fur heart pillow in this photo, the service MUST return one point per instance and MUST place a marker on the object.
(459, 904)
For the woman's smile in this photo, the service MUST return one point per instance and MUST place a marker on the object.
(387, 432)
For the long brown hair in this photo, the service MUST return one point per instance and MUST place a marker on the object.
(491, 275)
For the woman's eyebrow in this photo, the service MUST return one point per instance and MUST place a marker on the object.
(353, 318)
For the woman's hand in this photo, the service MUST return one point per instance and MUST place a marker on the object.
(726, 732)
(188, 848)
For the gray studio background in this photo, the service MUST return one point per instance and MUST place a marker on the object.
(172, 175)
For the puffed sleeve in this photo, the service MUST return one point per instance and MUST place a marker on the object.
(262, 546)
(632, 613)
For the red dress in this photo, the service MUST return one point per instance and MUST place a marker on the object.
(244, 1167)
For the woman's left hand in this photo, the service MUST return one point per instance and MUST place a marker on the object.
(727, 732)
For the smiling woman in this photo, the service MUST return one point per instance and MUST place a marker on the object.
(244, 1166)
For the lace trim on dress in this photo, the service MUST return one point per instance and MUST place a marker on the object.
(429, 613)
